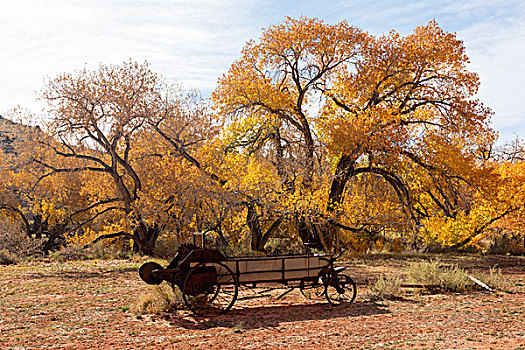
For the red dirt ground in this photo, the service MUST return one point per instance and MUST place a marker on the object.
(85, 305)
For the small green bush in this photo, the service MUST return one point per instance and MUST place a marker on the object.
(434, 273)
(385, 288)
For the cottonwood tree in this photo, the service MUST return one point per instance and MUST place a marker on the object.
(408, 114)
(267, 92)
(96, 119)
(181, 182)
(38, 210)
(495, 213)
(218, 187)
(328, 103)
(142, 153)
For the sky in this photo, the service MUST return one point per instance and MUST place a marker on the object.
(195, 42)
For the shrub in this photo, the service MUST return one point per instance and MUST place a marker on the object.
(14, 242)
(100, 250)
(434, 273)
(385, 288)
(161, 298)
(284, 245)
(107, 250)
(396, 245)
(71, 252)
(7, 258)
(166, 246)
(507, 243)
(495, 280)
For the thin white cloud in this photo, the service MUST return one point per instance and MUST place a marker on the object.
(496, 49)
(192, 41)
(195, 42)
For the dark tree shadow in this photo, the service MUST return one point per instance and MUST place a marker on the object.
(79, 275)
(273, 315)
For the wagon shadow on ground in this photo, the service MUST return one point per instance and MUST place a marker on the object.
(272, 316)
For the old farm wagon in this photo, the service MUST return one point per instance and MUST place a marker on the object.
(209, 281)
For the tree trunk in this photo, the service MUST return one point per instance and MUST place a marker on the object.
(55, 238)
(145, 237)
(344, 171)
(309, 234)
(37, 227)
(269, 233)
(252, 220)
(259, 239)
(325, 236)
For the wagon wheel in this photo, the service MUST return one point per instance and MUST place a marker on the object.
(210, 296)
(312, 289)
(317, 291)
(340, 289)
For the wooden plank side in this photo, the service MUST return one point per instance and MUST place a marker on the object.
(256, 270)
(260, 265)
(260, 276)
(271, 268)
(296, 268)
(300, 263)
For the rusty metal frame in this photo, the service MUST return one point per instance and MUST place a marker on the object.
(176, 275)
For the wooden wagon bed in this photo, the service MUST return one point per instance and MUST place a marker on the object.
(209, 281)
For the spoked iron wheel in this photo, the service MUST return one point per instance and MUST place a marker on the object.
(340, 289)
(314, 289)
(210, 289)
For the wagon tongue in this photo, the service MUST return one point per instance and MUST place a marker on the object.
(147, 273)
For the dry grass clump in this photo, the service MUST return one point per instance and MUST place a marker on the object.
(99, 251)
(385, 288)
(15, 245)
(158, 299)
(495, 280)
(446, 278)
(7, 258)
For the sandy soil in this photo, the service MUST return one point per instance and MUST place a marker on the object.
(86, 305)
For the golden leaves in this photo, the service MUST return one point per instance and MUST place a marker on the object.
(403, 104)
(298, 100)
